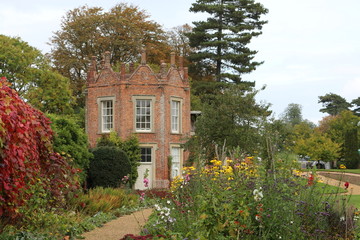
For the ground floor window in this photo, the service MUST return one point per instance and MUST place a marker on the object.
(175, 162)
(146, 154)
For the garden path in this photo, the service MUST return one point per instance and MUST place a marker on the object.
(118, 228)
(353, 189)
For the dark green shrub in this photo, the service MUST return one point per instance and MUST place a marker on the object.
(108, 166)
(130, 146)
(352, 158)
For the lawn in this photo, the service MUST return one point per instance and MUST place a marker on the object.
(355, 201)
(325, 188)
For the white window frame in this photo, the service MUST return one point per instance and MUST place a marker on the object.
(100, 102)
(176, 161)
(175, 120)
(135, 99)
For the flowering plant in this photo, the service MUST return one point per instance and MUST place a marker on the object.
(241, 199)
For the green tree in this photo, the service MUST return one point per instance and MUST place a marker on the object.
(32, 77)
(356, 105)
(342, 129)
(333, 104)
(70, 139)
(221, 41)
(318, 147)
(232, 117)
(292, 114)
(90, 31)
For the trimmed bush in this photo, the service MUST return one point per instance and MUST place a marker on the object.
(108, 166)
(130, 146)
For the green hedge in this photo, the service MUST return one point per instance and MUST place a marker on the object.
(108, 166)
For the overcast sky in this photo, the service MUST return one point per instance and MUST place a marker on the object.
(310, 47)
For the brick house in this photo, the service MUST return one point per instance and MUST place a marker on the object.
(154, 106)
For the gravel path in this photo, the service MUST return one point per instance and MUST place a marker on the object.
(118, 228)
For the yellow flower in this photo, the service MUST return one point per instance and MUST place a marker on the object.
(216, 162)
(297, 172)
(342, 166)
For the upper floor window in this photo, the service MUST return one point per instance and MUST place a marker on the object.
(143, 113)
(175, 116)
(106, 114)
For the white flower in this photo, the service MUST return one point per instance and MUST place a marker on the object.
(258, 195)
(168, 202)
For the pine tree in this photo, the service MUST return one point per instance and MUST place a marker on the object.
(333, 104)
(221, 41)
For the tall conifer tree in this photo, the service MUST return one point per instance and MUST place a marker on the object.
(221, 41)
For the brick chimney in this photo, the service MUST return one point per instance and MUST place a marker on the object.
(143, 57)
(92, 70)
(107, 64)
(172, 61)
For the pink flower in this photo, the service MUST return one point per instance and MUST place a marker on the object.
(146, 182)
(187, 178)
(142, 196)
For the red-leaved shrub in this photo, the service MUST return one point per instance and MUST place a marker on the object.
(26, 155)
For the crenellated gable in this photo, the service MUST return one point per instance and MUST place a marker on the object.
(142, 74)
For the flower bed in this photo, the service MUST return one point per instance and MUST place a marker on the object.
(243, 200)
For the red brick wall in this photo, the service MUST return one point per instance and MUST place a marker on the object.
(143, 81)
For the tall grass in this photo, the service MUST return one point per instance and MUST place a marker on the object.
(104, 200)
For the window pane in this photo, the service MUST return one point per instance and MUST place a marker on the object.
(143, 114)
(175, 118)
(175, 162)
(146, 154)
(107, 115)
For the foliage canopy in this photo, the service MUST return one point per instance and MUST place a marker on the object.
(70, 139)
(32, 77)
(90, 31)
(221, 41)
